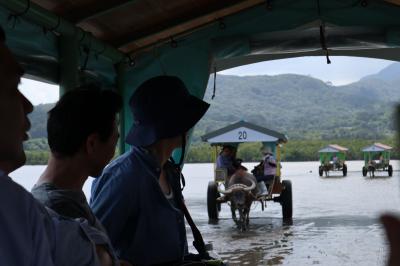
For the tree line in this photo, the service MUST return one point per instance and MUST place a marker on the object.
(294, 150)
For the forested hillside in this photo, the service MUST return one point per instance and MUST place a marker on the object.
(302, 107)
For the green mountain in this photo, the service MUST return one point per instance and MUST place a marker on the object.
(303, 107)
(310, 112)
(38, 120)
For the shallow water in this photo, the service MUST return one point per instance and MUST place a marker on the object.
(334, 219)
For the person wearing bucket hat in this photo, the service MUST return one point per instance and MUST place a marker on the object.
(268, 173)
(138, 197)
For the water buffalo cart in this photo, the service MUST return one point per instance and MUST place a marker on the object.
(377, 159)
(332, 159)
(239, 188)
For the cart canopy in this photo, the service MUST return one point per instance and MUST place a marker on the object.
(332, 148)
(377, 147)
(243, 131)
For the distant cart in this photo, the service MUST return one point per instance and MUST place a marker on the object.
(377, 159)
(332, 158)
(217, 192)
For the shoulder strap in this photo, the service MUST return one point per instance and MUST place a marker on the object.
(177, 167)
(198, 241)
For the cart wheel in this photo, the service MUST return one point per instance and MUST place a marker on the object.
(321, 171)
(364, 171)
(344, 170)
(212, 205)
(286, 200)
(390, 170)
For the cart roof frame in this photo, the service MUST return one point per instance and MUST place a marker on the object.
(377, 147)
(234, 133)
(333, 148)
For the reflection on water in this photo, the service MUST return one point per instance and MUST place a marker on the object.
(334, 219)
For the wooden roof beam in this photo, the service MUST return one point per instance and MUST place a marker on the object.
(129, 42)
(101, 8)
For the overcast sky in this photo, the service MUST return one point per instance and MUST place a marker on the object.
(342, 70)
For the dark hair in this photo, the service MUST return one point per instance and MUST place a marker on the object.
(2, 35)
(79, 113)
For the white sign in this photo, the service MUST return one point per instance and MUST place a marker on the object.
(242, 134)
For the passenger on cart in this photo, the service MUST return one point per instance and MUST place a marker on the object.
(265, 172)
(381, 159)
(335, 161)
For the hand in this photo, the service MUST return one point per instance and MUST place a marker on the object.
(124, 263)
(392, 228)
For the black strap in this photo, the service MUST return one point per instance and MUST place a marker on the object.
(178, 169)
(198, 241)
(215, 82)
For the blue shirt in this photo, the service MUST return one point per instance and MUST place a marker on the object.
(24, 223)
(32, 235)
(226, 162)
(144, 227)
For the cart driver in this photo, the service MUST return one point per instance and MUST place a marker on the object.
(226, 159)
(335, 160)
(381, 159)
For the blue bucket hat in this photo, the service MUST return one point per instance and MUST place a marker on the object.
(162, 108)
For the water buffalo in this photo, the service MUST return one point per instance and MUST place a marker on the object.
(241, 192)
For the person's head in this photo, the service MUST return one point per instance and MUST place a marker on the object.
(14, 108)
(266, 150)
(227, 150)
(163, 109)
(84, 123)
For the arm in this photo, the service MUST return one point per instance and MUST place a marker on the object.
(103, 256)
(271, 161)
(113, 201)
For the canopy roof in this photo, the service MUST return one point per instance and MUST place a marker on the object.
(231, 32)
(135, 25)
(243, 132)
(332, 148)
(377, 147)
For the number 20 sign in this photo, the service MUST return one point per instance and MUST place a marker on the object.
(242, 135)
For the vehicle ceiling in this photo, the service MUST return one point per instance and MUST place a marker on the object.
(239, 31)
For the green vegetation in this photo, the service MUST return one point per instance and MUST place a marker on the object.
(294, 150)
(37, 151)
(37, 157)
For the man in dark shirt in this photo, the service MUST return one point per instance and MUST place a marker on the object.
(226, 159)
(138, 198)
(82, 135)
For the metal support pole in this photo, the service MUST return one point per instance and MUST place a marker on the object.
(68, 48)
(278, 160)
(120, 70)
